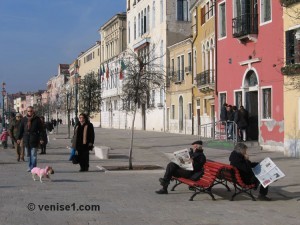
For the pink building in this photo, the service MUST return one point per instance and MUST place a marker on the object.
(250, 52)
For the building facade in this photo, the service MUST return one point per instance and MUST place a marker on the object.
(249, 48)
(152, 27)
(204, 63)
(113, 44)
(291, 72)
(180, 88)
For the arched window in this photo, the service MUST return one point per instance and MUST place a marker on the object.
(251, 79)
(153, 14)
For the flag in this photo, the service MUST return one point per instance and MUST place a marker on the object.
(107, 72)
(123, 67)
(103, 72)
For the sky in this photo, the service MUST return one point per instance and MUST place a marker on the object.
(37, 35)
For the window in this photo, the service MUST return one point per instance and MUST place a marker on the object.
(115, 104)
(153, 98)
(178, 68)
(222, 20)
(134, 28)
(292, 47)
(161, 11)
(173, 112)
(266, 101)
(222, 100)
(161, 95)
(182, 10)
(153, 14)
(128, 31)
(139, 25)
(238, 99)
(182, 67)
(189, 61)
(266, 11)
(190, 111)
(198, 103)
(162, 53)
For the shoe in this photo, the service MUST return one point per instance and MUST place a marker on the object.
(263, 198)
(162, 192)
(28, 170)
(23, 159)
(163, 182)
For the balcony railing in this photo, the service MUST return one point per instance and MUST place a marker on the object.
(206, 79)
(245, 24)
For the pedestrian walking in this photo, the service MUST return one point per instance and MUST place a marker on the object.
(12, 118)
(44, 136)
(14, 131)
(83, 141)
(31, 131)
(4, 137)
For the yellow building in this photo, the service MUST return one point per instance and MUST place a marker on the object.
(179, 88)
(204, 55)
(291, 72)
(89, 61)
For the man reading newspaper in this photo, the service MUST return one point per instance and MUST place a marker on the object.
(240, 159)
(196, 158)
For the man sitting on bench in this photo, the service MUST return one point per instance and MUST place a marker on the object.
(173, 170)
(240, 159)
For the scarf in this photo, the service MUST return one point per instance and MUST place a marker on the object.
(29, 120)
(85, 128)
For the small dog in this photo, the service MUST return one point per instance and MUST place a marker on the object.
(42, 173)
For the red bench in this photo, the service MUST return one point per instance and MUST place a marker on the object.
(217, 173)
(213, 173)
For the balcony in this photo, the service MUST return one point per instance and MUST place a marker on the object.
(206, 81)
(245, 27)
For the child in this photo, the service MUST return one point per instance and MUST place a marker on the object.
(4, 137)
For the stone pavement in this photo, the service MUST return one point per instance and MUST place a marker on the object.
(128, 197)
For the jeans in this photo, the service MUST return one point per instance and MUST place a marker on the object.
(31, 157)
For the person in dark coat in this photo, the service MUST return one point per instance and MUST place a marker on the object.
(243, 120)
(223, 114)
(83, 141)
(44, 136)
(14, 130)
(198, 159)
(240, 159)
(31, 131)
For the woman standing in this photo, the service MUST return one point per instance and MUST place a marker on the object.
(83, 141)
(44, 136)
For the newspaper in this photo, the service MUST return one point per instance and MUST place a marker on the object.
(267, 172)
(182, 159)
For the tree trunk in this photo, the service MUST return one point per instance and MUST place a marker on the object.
(131, 143)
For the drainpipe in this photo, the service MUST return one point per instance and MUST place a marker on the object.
(193, 72)
(216, 51)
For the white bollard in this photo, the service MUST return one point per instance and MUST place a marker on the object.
(101, 152)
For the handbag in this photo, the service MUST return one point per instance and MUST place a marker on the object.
(75, 158)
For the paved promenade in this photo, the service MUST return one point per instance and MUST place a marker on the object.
(128, 197)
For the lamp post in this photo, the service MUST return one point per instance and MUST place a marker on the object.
(3, 95)
(68, 111)
(77, 80)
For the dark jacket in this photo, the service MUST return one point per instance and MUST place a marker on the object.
(199, 160)
(33, 136)
(244, 166)
(243, 118)
(78, 141)
(223, 115)
(14, 129)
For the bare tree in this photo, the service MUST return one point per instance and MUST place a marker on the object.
(143, 74)
(90, 93)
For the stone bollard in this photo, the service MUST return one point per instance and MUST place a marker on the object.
(101, 152)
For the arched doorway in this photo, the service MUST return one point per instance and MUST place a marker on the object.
(180, 113)
(251, 103)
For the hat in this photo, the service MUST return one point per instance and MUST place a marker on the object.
(18, 114)
(197, 143)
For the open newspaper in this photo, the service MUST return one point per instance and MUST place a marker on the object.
(182, 159)
(267, 172)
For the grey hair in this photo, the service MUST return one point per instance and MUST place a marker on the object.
(240, 148)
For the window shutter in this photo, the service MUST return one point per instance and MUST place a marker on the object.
(202, 15)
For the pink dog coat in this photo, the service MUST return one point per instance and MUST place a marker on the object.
(40, 172)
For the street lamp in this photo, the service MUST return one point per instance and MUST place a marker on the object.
(3, 95)
(68, 110)
(77, 81)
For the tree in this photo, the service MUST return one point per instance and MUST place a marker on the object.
(143, 73)
(89, 94)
